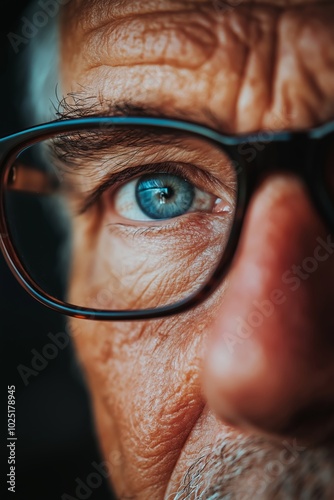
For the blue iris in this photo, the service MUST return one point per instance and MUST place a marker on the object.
(163, 196)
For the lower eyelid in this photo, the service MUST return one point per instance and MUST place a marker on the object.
(191, 221)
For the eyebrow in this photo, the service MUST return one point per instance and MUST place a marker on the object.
(70, 148)
(82, 105)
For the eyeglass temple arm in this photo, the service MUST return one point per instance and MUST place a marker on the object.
(26, 178)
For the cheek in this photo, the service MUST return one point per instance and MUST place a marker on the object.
(138, 267)
(144, 380)
(144, 377)
(144, 384)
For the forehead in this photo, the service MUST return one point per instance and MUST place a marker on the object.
(95, 12)
(126, 7)
(246, 59)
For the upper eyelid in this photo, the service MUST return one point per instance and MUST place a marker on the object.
(69, 149)
(94, 145)
(81, 143)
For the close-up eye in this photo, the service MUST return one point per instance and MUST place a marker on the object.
(158, 196)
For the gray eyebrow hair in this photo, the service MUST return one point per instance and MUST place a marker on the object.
(82, 104)
(72, 147)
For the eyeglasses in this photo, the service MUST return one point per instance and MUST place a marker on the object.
(118, 218)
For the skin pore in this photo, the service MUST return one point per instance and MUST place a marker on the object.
(179, 413)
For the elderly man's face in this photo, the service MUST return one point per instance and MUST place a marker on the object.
(250, 417)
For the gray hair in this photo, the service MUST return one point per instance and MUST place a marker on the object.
(241, 467)
(39, 64)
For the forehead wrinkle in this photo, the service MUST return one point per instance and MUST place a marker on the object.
(95, 12)
(91, 14)
(175, 32)
(179, 39)
(217, 84)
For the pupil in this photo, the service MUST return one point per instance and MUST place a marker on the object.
(164, 196)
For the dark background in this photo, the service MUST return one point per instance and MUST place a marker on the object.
(56, 444)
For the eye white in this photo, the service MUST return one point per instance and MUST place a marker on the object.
(126, 205)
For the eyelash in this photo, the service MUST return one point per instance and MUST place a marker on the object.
(198, 177)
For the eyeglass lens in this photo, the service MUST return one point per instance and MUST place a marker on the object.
(125, 218)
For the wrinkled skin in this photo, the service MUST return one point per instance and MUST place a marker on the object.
(168, 392)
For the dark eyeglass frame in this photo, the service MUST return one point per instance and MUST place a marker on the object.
(302, 153)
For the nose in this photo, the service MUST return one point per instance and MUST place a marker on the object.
(269, 363)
